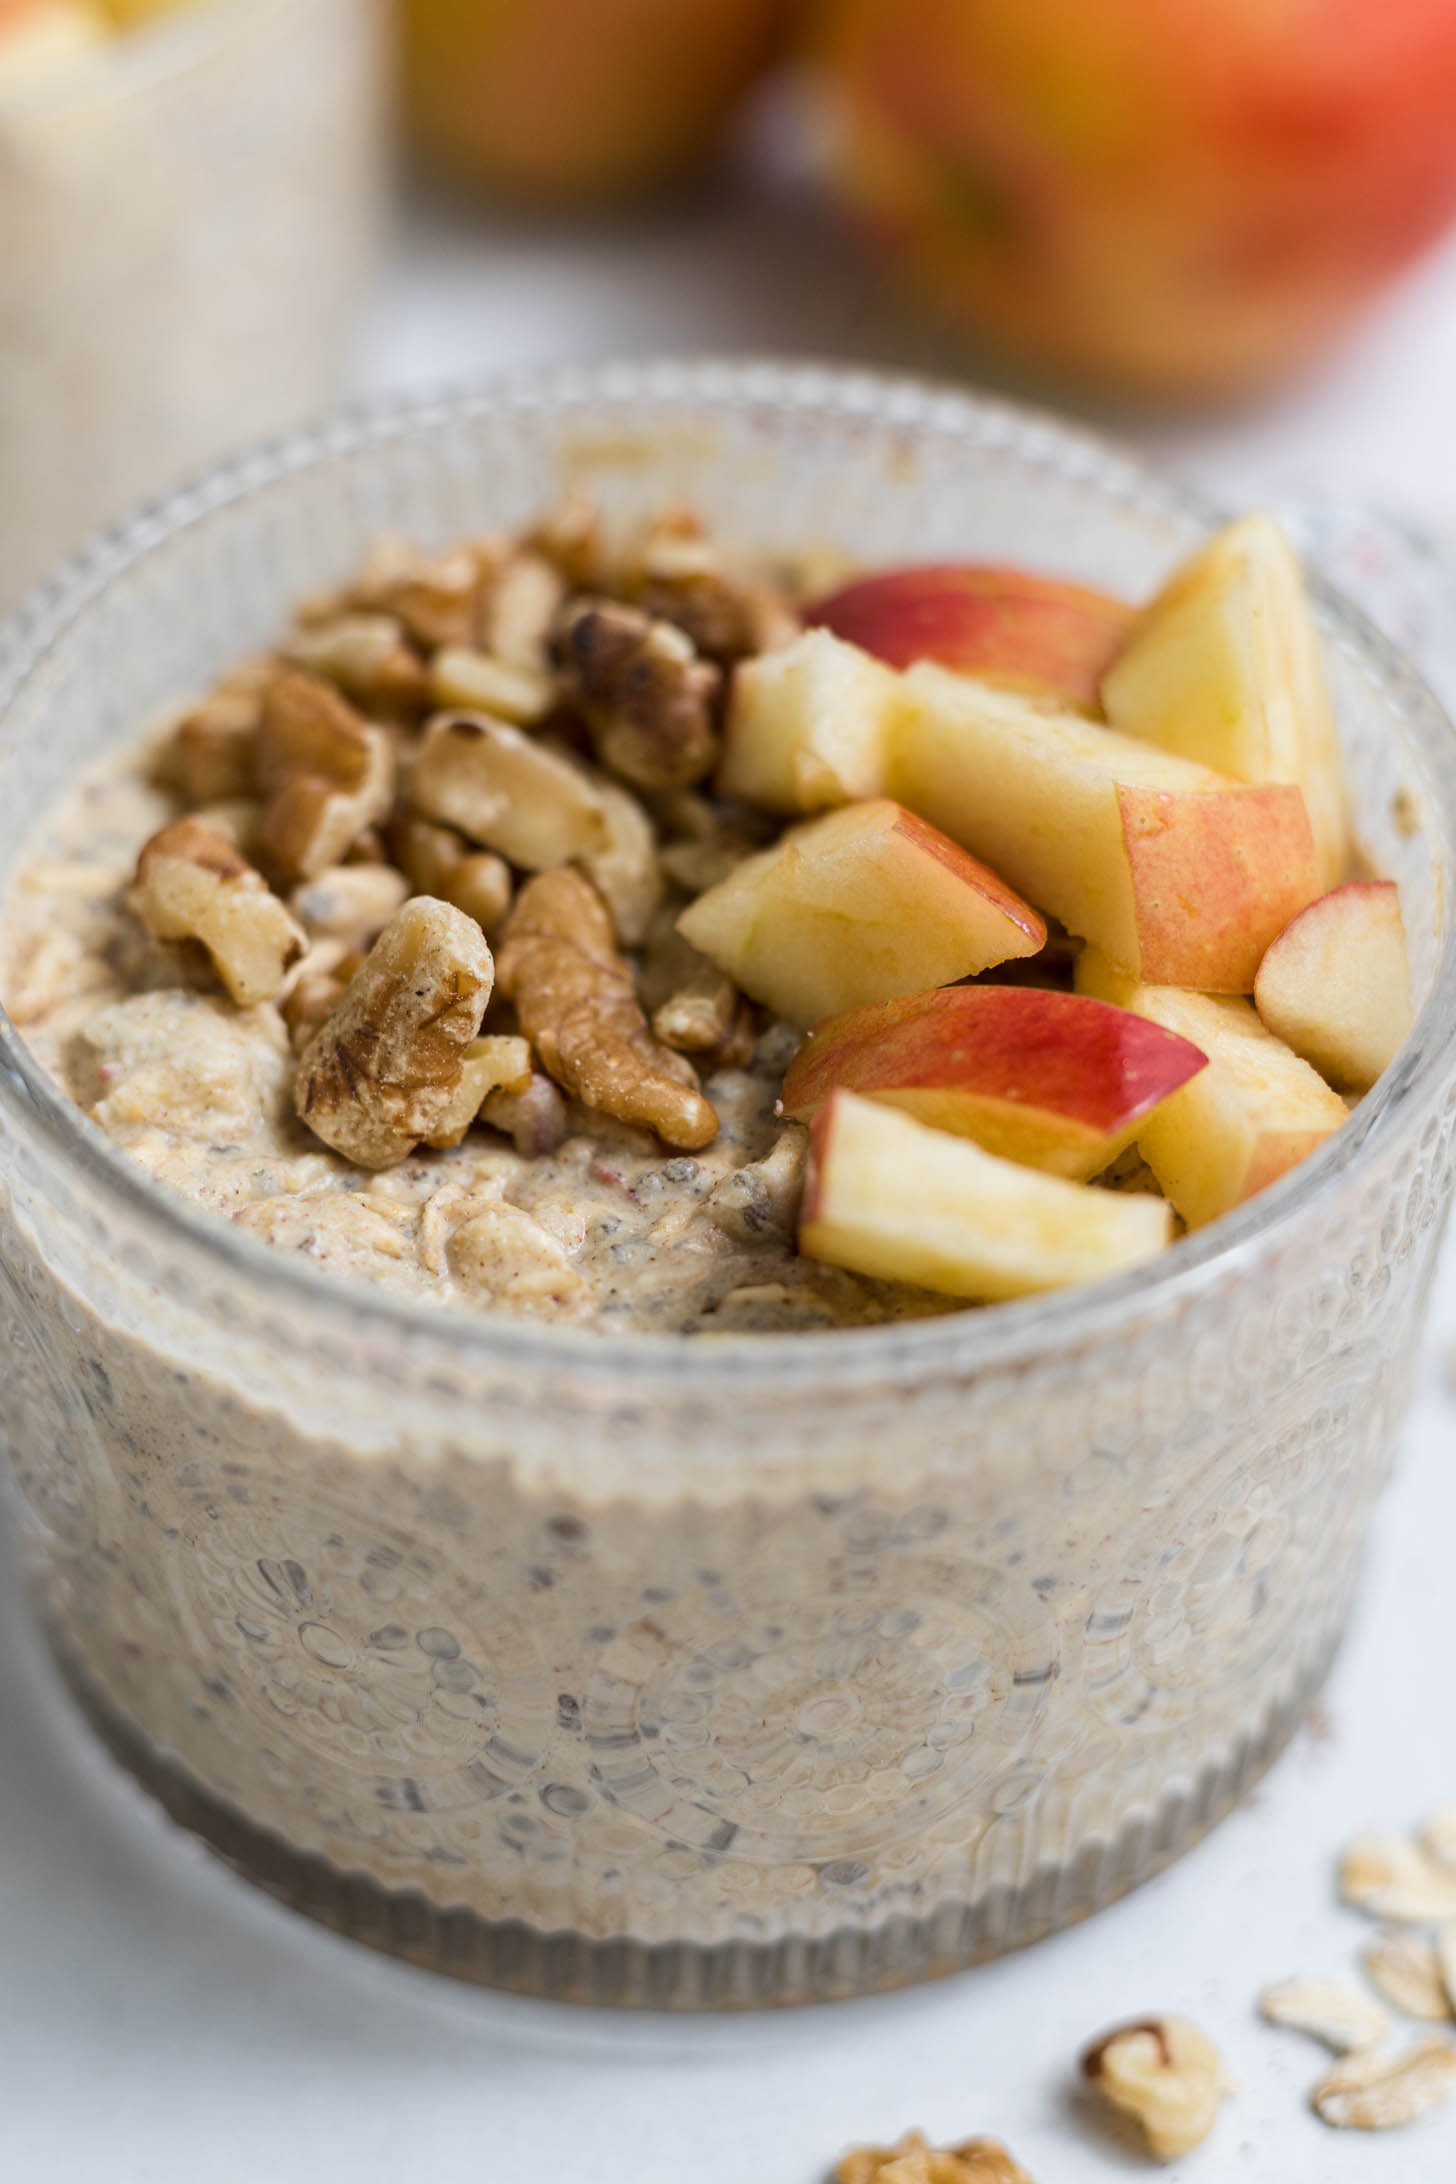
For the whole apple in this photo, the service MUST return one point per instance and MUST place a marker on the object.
(579, 102)
(1163, 195)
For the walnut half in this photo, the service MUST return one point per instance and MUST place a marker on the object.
(389, 1067)
(646, 696)
(575, 999)
(193, 884)
(1165, 2072)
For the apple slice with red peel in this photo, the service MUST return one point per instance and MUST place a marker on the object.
(889, 1197)
(863, 905)
(1182, 876)
(1256, 1111)
(1335, 985)
(1226, 667)
(1020, 631)
(808, 726)
(1053, 1080)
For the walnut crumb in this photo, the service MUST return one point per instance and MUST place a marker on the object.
(646, 695)
(193, 884)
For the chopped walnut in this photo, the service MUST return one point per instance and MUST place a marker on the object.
(572, 539)
(913, 2160)
(461, 676)
(192, 884)
(436, 598)
(646, 696)
(352, 903)
(704, 846)
(211, 757)
(623, 867)
(437, 861)
(506, 791)
(387, 1069)
(369, 658)
(314, 989)
(680, 575)
(329, 775)
(535, 1120)
(518, 611)
(500, 1063)
(693, 1007)
(574, 996)
(1167, 2074)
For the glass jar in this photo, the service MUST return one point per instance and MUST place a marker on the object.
(186, 221)
(687, 1672)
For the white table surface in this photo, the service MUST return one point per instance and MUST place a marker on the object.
(160, 2023)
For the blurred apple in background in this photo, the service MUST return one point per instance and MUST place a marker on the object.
(580, 102)
(37, 36)
(1172, 196)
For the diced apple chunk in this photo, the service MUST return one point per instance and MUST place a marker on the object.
(1256, 1111)
(1052, 1080)
(863, 905)
(1225, 667)
(808, 726)
(1020, 631)
(888, 1197)
(1178, 874)
(1335, 985)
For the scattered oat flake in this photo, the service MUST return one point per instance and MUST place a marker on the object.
(1374, 2092)
(1390, 1877)
(1405, 1968)
(1333, 2010)
(1438, 1837)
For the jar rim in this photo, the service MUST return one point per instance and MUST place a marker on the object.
(956, 1343)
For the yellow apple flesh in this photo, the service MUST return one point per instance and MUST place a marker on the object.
(887, 1197)
(1255, 1112)
(1180, 875)
(1336, 986)
(1226, 667)
(863, 905)
(808, 727)
(1019, 631)
(1052, 1080)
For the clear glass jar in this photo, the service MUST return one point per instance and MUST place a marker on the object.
(186, 221)
(735, 1671)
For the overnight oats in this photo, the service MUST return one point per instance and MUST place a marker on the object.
(542, 1090)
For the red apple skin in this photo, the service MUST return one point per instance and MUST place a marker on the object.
(1157, 195)
(566, 103)
(1006, 626)
(1053, 1079)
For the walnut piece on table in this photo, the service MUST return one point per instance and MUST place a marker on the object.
(388, 1069)
(1167, 2074)
(577, 1005)
(645, 695)
(913, 2160)
(193, 884)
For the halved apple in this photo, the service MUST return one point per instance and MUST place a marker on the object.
(1182, 876)
(1335, 985)
(1225, 667)
(887, 1196)
(1053, 1080)
(1241, 1123)
(1007, 626)
(863, 905)
(808, 726)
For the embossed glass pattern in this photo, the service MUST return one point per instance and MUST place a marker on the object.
(669, 1671)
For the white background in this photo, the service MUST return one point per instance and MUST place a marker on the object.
(161, 2024)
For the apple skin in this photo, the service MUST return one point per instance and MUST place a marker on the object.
(1335, 984)
(1157, 195)
(1007, 626)
(1053, 1080)
(887, 1197)
(577, 103)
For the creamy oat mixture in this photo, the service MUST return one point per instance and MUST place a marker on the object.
(562, 1209)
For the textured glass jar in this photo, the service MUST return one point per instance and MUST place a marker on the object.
(186, 220)
(736, 1671)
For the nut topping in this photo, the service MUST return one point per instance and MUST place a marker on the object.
(461, 676)
(192, 884)
(328, 772)
(1167, 2074)
(575, 999)
(368, 657)
(647, 697)
(504, 790)
(352, 903)
(388, 1067)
